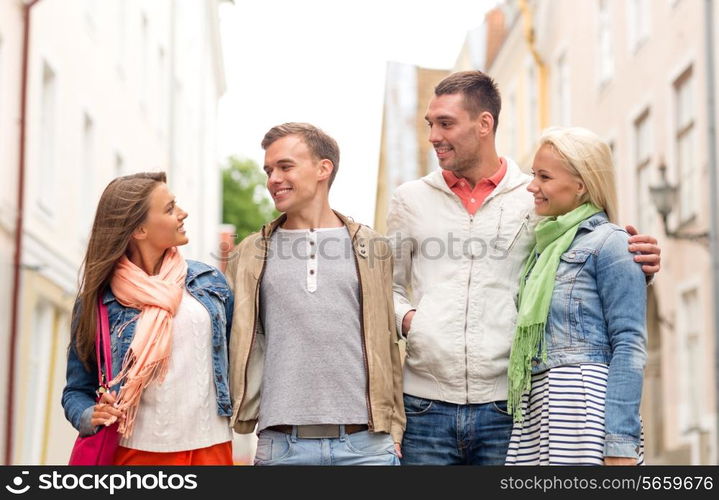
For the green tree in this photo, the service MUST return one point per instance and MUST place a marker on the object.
(244, 200)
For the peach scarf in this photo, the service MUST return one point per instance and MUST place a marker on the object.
(158, 298)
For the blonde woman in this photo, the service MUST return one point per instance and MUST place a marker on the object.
(578, 355)
(169, 322)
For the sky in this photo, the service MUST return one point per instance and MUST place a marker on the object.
(324, 62)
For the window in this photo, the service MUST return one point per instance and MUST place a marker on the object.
(1, 81)
(1, 89)
(144, 48)
(562, 96)
(119, 166)
(687, 169)
(43, 331)
(161, 91)
(91, 15)
(532, 120)
(180, 120)
(121, 34)
(606, 49)
(642, 163)
(690, 353)
(87, 176)
(638, 15)
(47, 139)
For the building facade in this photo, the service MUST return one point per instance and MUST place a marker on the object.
(113, 88)
(405, 152)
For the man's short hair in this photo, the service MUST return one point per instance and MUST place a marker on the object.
(479, 90)
(321, 145)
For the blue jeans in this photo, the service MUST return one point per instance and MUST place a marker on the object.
(360, 448)
(440, 433)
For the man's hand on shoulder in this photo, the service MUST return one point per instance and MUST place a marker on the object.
(650, 257)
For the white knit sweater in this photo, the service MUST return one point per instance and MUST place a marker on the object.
(181, 413)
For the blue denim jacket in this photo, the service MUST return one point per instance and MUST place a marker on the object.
(597, 315)
(204, 283)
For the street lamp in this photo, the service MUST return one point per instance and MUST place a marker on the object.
(664, 197)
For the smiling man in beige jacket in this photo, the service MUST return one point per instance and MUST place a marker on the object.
(314, 355)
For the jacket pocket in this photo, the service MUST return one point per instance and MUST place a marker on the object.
(571, 264)
(431, 339)
(416, 406)
(272, 447)
(500, 407)
(576, 319)
(414, 341)
(509, 233)
(523, 227)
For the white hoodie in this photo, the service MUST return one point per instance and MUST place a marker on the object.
(461, 273)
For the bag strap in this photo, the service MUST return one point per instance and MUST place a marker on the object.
(102, 341)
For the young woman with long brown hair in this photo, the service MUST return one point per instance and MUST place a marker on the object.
(169, 325)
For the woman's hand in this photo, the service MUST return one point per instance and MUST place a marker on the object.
(620, 461)
(104, 413)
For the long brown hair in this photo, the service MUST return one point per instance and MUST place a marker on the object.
(122, 208)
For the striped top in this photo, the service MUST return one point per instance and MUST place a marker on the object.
(564, 418)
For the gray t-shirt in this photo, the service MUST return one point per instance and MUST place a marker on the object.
(314, 371)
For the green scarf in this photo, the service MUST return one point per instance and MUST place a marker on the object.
(554, 235)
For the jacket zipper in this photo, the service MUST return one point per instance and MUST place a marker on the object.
(254, 325)
(466, 320)
(466, 309)
(525, 222)
(368, 398)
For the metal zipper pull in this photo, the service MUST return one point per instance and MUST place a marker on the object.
(499, 222)
(525, 225)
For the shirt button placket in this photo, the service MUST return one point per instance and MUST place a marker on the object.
(312, 260)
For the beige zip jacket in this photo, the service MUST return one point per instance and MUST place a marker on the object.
(379, 340)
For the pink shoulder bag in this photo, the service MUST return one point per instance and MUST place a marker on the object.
(99, 449)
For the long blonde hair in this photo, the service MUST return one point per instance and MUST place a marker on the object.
(588, 158)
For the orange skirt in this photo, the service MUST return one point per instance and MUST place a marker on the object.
(219, 454)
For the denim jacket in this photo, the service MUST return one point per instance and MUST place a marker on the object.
(204, 283)
(597, 315)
